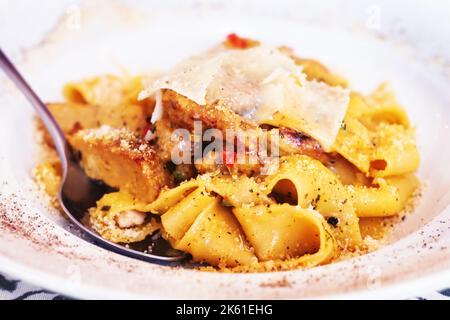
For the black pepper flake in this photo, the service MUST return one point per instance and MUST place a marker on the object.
(105, 208)
(315, 201)
(333, 221)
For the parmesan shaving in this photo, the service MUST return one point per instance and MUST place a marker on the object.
(157, 113)
(189, 78)
(263, 85)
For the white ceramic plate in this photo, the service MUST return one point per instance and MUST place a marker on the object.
(368, 42)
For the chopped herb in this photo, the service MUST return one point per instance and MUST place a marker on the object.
(179, 176)
(315, 201)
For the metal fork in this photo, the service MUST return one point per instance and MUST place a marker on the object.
(77, 192)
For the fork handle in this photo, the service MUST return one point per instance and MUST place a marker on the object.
(47, 118)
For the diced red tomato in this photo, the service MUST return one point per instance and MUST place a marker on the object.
(229, 158)
(237, 41)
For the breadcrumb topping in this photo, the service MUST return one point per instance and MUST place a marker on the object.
(124, 139)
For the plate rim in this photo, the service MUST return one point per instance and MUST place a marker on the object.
(88, 291)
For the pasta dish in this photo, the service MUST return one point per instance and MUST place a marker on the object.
(246, 156)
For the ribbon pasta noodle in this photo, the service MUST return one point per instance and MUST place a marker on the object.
(389, 198)
(310, 184)
(197, 221)
(377, 139)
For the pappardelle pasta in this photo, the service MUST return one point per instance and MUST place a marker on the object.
(246, 156)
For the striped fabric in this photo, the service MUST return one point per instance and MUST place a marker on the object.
(11, 289)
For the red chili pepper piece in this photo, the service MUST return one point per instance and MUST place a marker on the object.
(229, 158)
(237, 41)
